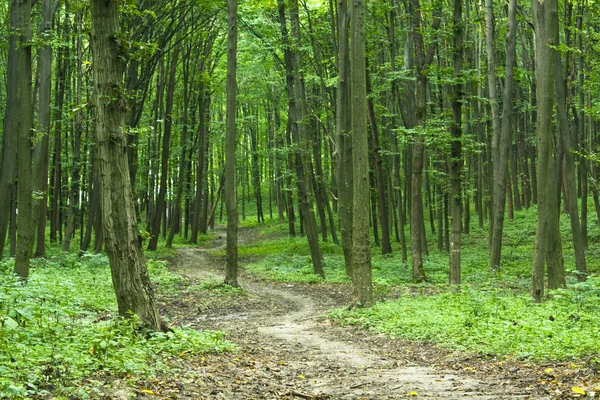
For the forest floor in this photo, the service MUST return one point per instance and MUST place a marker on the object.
(289, 349)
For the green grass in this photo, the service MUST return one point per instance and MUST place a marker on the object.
(493, 321)
(59, 333)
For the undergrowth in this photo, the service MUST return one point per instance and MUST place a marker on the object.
(493, 321)
(59, 332)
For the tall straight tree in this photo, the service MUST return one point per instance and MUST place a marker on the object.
(301, 136)
(166, 144)
(230, 146)
(40, 155)
(545, 13)
(20, 26)
(122, 238)
(361, 235)
(501, 132)
(456, 160)
(423, 59)
(343, 145)
(9, 137)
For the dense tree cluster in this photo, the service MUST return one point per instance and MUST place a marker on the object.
(352, 120)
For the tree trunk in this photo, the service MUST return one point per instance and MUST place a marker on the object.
(343, 145)
(566, 142)
(123, 242)
(501, 138)
(160, 207)
(176, 220)
(422, 61)
(386, 245)
(40, 158)
(230, 146)
(546, 25)
(76, 145)
(20, 21)
(456, 157)
(361, 245)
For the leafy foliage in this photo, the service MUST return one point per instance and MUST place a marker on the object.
(58, 332)
(493, 321)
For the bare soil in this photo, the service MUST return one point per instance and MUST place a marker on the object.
(288, 349)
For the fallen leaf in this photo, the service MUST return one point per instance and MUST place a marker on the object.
(147, 391)
(578, 390)
(413, 394)
(548, 370)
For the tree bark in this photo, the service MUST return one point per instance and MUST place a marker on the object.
(123, 241)
(76, 145)
(20, 18)
(501, 139)
(230, 147)
(343, 146)
(456, 157)
(161, 205)
(546, 24)
(361, 245)
(40, 157)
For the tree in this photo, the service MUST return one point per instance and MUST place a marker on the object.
(456, 158)
(501, 134)
(361, 243)
(20, 18)
(123, 241)
(423, 59)
(343, 146)
(546, 56)
(230, 147)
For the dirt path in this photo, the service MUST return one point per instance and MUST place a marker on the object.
(288, 350)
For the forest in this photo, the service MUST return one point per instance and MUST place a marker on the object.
(299, 199)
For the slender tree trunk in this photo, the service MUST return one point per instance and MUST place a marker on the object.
(230, 147)
(76, 145)
(386, 245)
(501, 139)
(161, 205)
(422, 61)
(40, 157)
(361, 245)
(343, 149)
(176, 220)
(546, 24)
(456, 162)
(123, 241)
(566, 142)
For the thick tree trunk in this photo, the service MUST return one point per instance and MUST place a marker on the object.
(230, 147)
(123, 241)
(20, 18)
(11, 121)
